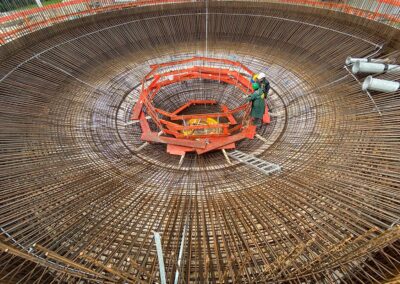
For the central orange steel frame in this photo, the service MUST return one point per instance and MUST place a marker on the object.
(228, 133)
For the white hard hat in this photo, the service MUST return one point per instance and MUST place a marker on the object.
(261, 76)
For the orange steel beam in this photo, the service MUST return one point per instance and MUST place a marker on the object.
(181, 150)
(230, 77)
(226, 113)
(391, 2)
(247, 133)
(203, 136)
(173, 133)
(199, 116)
(194, 68)
(151, 111)
(154, 92)
(236, 128)
(163, 112)
(194, 102)
(266, 117)
(154, 137)
(201, 58)
(178, 150)
(197, 75)
(137, 109)
(229, 115)
(144, 124)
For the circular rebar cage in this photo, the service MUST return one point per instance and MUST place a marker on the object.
(81, 197)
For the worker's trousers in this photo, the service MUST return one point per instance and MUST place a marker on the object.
(257, 121)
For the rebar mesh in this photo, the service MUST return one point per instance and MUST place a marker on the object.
(80, 203)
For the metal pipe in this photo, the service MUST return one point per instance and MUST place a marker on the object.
(157, 239)
(180, 254)
(367, 67)
(380, 85)
(352, 60)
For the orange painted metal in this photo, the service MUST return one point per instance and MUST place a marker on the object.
(391, 2)
(180, 150)
(229, 115)
(248, 132)
(198, 138)
(201, 58)
(198, 72)
(160, 80)
(266, 117)
(154, 137)
(226, 112)
(200, 116)
(194, 102)
(144, 125)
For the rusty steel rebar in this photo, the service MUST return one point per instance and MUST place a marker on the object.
(81, 196)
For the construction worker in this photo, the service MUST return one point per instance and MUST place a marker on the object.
(257, 104)
(262, 80)
(264, 83)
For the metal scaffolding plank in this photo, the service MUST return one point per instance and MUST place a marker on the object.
(259, 164)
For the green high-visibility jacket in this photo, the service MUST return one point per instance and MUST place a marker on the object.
(257, 104)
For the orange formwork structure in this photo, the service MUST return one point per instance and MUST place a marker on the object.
(198, 133)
